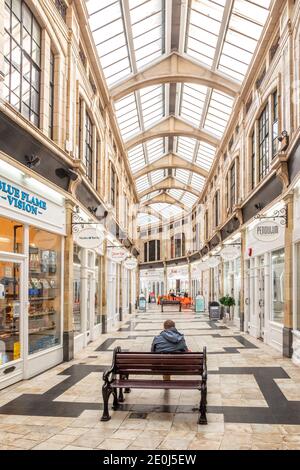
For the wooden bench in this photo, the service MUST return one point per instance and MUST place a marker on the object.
(170, 302)
(128, 364)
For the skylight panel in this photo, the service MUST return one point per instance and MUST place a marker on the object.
(152, 100)
(127, 115)
(189, 199)
(186, 148)
(205, 156)
(176, 193)
(109, 36)
(244, 31)
(142, 184)
(136, 158)
(147, 30)
(205, 18)
(166, 210)
(192, 102)
(215, 122)
(146, 219)
(150, 196)
(157, 176)
(182, 176)
(197, 182)
(155, 149)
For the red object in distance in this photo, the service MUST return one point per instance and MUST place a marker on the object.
(249, 251)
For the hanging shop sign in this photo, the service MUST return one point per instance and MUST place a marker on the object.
(230, 253)
(203, 266)
(130, 263)
(118, 254)
(267, 231)
(213, 261)
(90, 238)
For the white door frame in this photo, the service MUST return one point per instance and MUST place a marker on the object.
(19, 364)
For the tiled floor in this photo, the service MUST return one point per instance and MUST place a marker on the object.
(253, 397)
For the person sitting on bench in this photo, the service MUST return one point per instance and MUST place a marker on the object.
(169, 341)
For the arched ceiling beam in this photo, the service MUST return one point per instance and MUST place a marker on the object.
(172, 126)
(164, 199)
(171, 161)
(169, 183)
(150, 211)
(175, 68)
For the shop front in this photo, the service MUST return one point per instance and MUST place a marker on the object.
(87, 269)
(178, 279)
(231, 258)
(264, 281)
(152, 281)
(296, 279)
(32, 229)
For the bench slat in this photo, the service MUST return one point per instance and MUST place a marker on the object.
(158, 372)
(158, 361)
(156, 384)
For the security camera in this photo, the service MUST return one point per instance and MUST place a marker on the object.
(32, 161)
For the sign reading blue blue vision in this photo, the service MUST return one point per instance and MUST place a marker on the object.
(22, 200)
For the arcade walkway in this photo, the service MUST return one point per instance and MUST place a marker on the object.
(253, 397)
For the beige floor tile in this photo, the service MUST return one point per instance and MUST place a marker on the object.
(115, 444)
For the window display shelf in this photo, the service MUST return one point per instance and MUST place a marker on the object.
(40, 314)
(41, 329)
(40, 299)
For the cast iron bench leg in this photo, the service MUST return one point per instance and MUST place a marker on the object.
(202, 409)
(116, 402)
(106, 391)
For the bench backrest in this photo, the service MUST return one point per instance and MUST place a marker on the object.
(133, 363)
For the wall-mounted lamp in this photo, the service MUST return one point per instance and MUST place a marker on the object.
(32, 161)
(63, 173)
(258, 206)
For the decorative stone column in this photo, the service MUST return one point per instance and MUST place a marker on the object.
(121, 278)
(288, 278)
(242, 274)
(165, 278)
(2, 16)
(68, 334)
(190, 278)
(104, 275)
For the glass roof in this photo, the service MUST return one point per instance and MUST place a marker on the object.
(146, 219)
(130, 35)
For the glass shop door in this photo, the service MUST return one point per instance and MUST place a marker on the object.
(11, 320)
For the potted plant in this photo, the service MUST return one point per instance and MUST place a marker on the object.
(228, 302)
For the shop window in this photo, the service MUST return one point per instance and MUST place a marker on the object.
(275, 124)
(22, 57)
(44, 290)
(278, 286)
(263, 128)
(152, 250)
(253, 161)
(51, 95)
(298, 287)
(88, 146)
(11, 236)
(112, 186)
(77, 323)
(233, 185)
(217, 208)
(98, 283)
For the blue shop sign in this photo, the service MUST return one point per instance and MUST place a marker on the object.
(22, 200)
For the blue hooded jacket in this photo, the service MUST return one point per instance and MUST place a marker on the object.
(169, 341)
